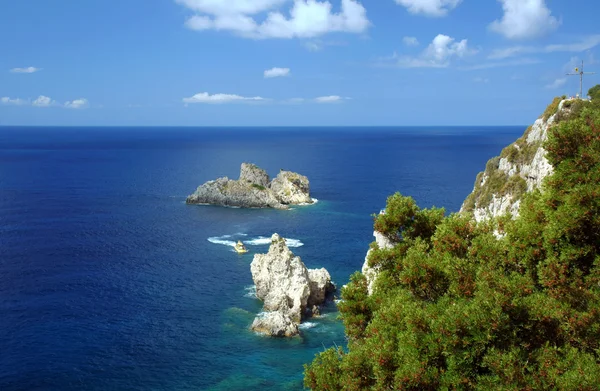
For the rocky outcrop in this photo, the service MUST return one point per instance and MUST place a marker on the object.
(371, 272)
(275, 324)
(254, 190)
(291, 188)
(521, 168)
(288, 289)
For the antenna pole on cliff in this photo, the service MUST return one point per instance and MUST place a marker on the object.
(579, 72)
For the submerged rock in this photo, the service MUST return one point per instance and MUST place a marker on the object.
(275, 324)
(254, 190)
(288, 289)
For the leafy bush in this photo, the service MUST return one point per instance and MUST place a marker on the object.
(455, 307)
(259, 187)
(594, 92)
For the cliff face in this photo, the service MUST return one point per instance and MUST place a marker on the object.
(371, 272)
(520, 168)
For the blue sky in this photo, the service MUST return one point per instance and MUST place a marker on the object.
(291, 62)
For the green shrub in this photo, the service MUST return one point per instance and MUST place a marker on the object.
(259, 187)
(594, 92)
(456, 308)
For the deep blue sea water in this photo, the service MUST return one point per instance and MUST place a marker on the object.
(108, 280)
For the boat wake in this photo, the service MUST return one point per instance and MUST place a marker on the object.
(231, 240)
(262, 241)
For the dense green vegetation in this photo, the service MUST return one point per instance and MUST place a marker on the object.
(594, 92)
(459, 307)
(259, 187)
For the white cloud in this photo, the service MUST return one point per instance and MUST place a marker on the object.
(524, 19)
(557, 83)
(313, 46)
(320, 99)
(205, 97)
(276, 72)
(222, 7)
(501, 64)
(499, 54)
(26, 70)
(434, 8)
(443, 47)
(410, 41)
(43, 101)
(307, 18)
(80, 103)
(17, 102)
(330, 99)
(587, 43)
(438, 54)
(584, 44)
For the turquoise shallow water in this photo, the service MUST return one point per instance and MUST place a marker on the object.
(109, 281)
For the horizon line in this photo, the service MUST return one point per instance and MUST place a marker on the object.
(255, 126)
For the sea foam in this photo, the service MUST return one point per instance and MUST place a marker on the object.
(222, 240)
(307, 325)
(250, 291)
(225, 240)
(314, 201)
(261, 241)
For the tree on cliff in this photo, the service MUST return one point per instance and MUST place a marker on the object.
(594, 92)
(456, 307)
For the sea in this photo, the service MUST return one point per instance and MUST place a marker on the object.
(109, 281)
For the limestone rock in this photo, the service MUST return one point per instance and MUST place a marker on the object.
(523, 164)
(275, 324)
(253, 190)
(251, 173)
(371, 272)
(320, 286)
(287, 288)
(227, 192)
(291, 188)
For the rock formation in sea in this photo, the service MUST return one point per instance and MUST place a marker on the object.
(521, 168)
(290, 292)
(253, 189)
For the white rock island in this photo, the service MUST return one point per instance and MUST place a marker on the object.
(289, 290)
(253, 189)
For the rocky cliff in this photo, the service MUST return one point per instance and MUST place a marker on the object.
(370, 272)
(289, 290)
(254, 190)
(520, 168)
